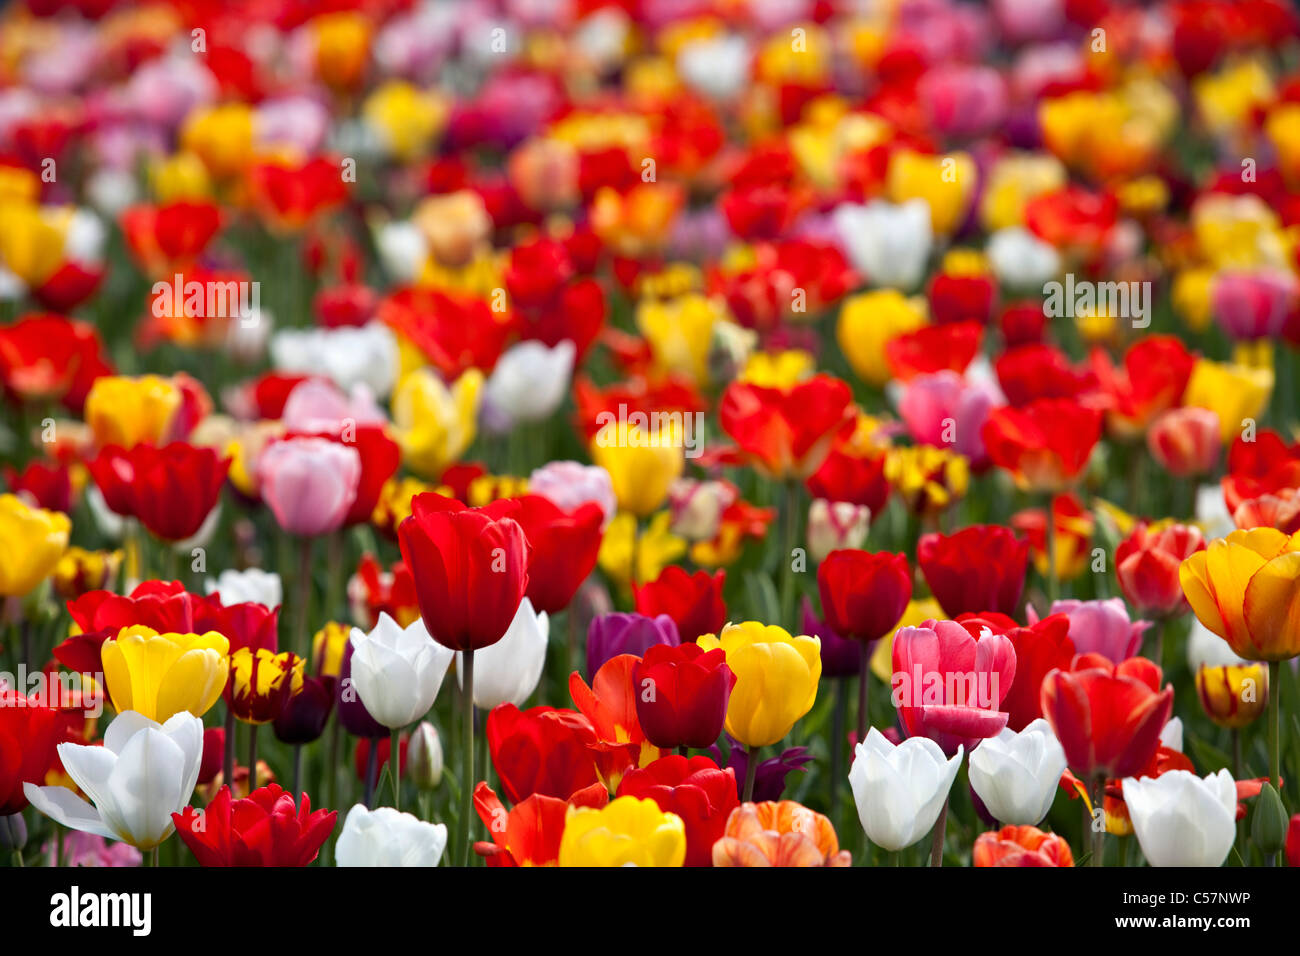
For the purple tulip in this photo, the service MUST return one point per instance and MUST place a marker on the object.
(618, 633)
(840, 655)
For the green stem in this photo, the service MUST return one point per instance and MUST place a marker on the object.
(1274, 726)
(789, 530)
(940, 831)
(252, 757)
(864, 691)
(466, 758)
(301, 642)
(751, 773)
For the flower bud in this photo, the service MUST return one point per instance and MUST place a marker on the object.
(1268, 828)
(424, 757)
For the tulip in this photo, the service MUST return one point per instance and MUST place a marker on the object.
(945, 184)
(1100, 627)
(564, 546)
(143, 773)
(30, 729)
(1232, 695)
(787, 433)
(1021, 846)
(171, 490)
(31, 542)
(353, 715)
(1147, 563)
(1236, 393)
(309, 483)
(1186, 441)
(835, 525)
(348, 357)
(776, 683)
(541, 750)
(1016, 775)
(435, 424)
(948, 684)
(1181, 819)
(252, 585)
(627, 831)
(945, 410)
(682, 695)
(698, 507)
(889, 243)
(398, 671)
(529, 381)
(385, 837)
(507, 672)
(263, 829)
(569, 485)
(261, 683)
(159, 675)
(778, 833)
(693, 601)
(702, 795)
(304, 715)
(424, 756)
(1045, 445)
(900, 790)
(1041, 647)
(616, 633)
(52, 357)
(1107, 717)
(1293, 842)
(1253, 305)
(642, 464)
(980, 568)
(125, 411)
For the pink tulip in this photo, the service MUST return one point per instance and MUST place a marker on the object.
(309, 483)
(1253, 305)
(963, 100)
(318, 405)
(1099, 627)
(948, 684)
(570, 484)
(946, 410)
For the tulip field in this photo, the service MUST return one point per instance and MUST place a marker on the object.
(668, 433)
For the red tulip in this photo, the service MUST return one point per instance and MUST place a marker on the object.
(695, 789)
(934, 348)
(847, 475)
(693, 601)
(787, 432)
(956, 299)
(1154, 377)
(541, 750)
(51, 357)
(1147, 562)
(1293, 842)
(564, 548)
(864, 595)
(1040, 648)
(171, 490)
(454, 332)
(682, 694)
(470, 567)
(29, 733)
(164, 606)
(528, 834)
(263, 829)
(49, 485)
(1107, 716)
(1045, 445)
(980, 568)
(1033, 371)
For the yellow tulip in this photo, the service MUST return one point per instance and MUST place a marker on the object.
(342, 47)
(1238, 393)
(642, 463)
(328, 645)
(655, 548)
(406, 117)
(79, 571)
(1246, 589)
(1191, 296)
(928, 478)
(1233, 695)
(1228, 99)
(776, 679)
(160, 675)
(220, 136)
(182, 176)
(31, 243)
(1012, 182)
(32, 540)
(782, 370)
(680, 333)
(434, 424)
(626, 831)
(945, 182)
(126, 411)
(868, 322)
(1283, 130)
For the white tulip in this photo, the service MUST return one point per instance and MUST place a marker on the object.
(530, 380)
(253, 586)
(717, 67)
(403, 250)
(1020, 259)
(144, 772)
(348, 356)
(507, 672)
(384, 837)
(1181, 819)
(1171, 735)
(836, 524)
(1017, 774)
(397, 672)
(900, 790)
(889, 243)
